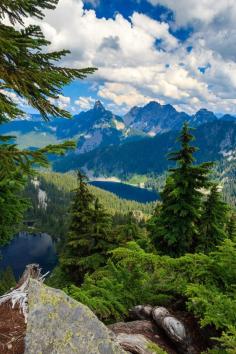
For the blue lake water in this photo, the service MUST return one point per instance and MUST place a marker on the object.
(28, 248)
(126, 191)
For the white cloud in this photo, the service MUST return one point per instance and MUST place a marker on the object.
(85, 103)
(14, 97)
(214, 22)
(134, 69)
(63, 102)
(122, 94)
(203, 11)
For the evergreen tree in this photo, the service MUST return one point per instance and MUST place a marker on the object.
(131, 230)
(101, 237)
(213, 221)
(27, 71)
(177, 227)
(7, 280)
(78, 242)
(89, 237)
(231, 227)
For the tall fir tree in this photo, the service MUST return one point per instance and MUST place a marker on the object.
(231, 226)
(102, 239)
(89, 237)
(29, 72)
(177, 228)
(213, 221)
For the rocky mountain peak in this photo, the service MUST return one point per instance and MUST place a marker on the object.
(98, 106)
(203, 116)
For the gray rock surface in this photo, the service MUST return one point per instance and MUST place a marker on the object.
(57, 324)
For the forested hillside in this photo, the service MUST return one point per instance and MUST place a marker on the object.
(53, 217)
(215, 140)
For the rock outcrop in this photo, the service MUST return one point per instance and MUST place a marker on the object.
(37, 319)
(57, 324)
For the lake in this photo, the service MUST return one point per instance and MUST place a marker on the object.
(127, 191)
(28, 248)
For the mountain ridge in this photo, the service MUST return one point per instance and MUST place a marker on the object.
(216, 140)
(99, 127)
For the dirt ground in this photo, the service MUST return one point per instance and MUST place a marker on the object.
(12, 329)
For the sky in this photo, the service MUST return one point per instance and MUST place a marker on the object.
(179, 52)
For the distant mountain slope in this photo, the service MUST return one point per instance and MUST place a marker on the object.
(99, 127)
(216, 140)
(154, 118)
(96, 127)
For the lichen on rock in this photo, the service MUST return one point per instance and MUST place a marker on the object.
(57, 324)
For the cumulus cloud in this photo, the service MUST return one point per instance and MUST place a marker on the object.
(14, 97)
(63, 102)
(140, 59)
(122, 94)
(188, 11)
(85, 103)
(213, 21)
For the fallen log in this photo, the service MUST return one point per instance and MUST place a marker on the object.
(141, 312)
(135, 343)
(174, 328)
(148, 329)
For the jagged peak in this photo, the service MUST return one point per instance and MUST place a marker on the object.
(152, 103)
(203, 110)
(99, 106)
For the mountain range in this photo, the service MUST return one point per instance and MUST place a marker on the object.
(216, 141)
(137, 143)
(99, 127)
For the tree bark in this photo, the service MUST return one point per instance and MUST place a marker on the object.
(18, 295)
(134, 343)
(174, 328)
(148, 329)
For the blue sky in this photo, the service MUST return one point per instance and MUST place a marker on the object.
(178, 52)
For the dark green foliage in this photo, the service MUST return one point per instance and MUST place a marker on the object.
(89, 237)
(177, 226)
(231, 226)
(112, 290)
(131, 229)
(203, 281)
(213, 221)
(7, 280)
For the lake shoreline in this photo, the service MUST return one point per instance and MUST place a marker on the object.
(127, 191)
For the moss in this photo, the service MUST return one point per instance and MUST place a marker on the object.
(156, 349)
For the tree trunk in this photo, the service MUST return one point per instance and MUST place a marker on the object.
(135, 343)
(18, 295)
(148, 329)
(174, 328)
